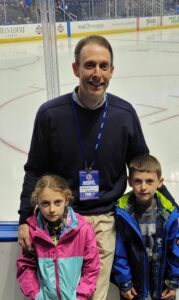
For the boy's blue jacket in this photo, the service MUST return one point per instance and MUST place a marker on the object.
(130, 266)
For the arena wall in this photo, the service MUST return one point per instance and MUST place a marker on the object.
(30, 32)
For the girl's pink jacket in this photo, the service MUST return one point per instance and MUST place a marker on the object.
(67, 271)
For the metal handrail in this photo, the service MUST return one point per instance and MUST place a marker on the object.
(70, 15)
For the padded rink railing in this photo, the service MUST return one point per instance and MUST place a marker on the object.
(8, 231)
(9, 251)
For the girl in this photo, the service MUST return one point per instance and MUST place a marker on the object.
(66, 263)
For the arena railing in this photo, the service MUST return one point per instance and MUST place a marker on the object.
(8, 231)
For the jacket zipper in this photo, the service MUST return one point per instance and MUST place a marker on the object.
(161, 269)
(57, 274)
(146, 287)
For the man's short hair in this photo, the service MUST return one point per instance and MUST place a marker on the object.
(92, 39)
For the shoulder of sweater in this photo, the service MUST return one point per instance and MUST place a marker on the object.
(114, 101)
(56, 102)
(120, 103)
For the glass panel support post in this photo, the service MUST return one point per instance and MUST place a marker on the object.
(47, 11)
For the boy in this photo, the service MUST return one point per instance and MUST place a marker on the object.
(147, 246)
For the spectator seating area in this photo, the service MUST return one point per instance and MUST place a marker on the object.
(28, 11)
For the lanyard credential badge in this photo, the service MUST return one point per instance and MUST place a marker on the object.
(89, 178)
(89, 185)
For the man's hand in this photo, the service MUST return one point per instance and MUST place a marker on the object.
(130, 294)
(23, 239)
(168, 294)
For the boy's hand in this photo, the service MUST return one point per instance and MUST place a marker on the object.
(168, 294)
(23, 239)
(130, 294)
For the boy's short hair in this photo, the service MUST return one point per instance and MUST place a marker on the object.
(53, 182)
(145, 163)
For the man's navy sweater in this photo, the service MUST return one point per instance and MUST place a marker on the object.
(55, 148)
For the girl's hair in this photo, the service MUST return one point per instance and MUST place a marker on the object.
(145, 163)
(92, 39)
(53, 182)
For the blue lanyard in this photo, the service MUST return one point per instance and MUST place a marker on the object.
(100, 131)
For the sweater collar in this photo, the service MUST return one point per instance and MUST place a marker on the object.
(76, 99)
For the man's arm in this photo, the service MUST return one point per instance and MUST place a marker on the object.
(163, 190)
(136, 141)
(26, 207)
(23, 237)
(37, 165)
(26, 210)
(138, 147)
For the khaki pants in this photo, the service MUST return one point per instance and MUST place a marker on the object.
(104, 226)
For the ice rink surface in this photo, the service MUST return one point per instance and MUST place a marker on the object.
(146, 74)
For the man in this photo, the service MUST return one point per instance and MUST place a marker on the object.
(88, 137)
